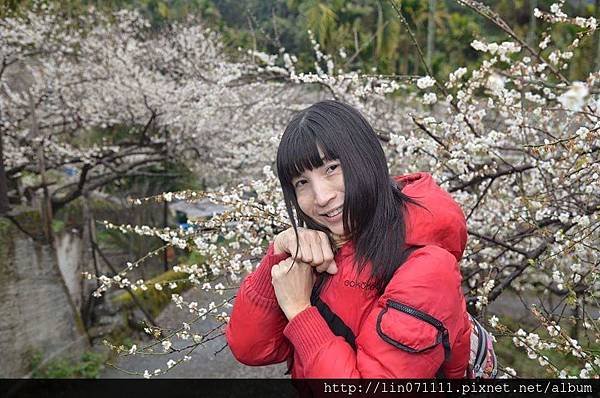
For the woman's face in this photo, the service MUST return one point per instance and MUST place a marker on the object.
(320, 195)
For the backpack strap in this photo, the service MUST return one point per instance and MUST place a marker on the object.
(336, 324)
(482, 362)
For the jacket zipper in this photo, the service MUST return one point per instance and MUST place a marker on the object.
(443, 336)
(417, 314)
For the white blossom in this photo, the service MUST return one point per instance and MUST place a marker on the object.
(429, 98)
(166, 345)
(510, 371)
(553, 330)
(425, 82)
(574, 98)
(495, 83)
(493, 321)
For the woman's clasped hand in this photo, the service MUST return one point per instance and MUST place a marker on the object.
(293, 282)
(314, 249)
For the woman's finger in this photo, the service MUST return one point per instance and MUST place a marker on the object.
(324, 263)
(328, 256)
(316, 249)
(293, 245)
(328, 263)
(278, 268)
(305, 253)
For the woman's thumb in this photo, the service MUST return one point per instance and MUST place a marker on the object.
(332, 269)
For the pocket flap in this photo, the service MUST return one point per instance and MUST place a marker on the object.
(409, 329)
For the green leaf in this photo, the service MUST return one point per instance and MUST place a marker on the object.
(163, 10)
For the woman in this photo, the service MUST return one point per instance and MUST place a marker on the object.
(387, 301)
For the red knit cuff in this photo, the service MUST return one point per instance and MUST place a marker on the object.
(308, 332)
(260, 279)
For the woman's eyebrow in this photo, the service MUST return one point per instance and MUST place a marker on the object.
(301, 175)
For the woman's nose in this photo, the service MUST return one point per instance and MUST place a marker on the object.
(323, 195)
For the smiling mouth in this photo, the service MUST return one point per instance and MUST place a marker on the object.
(333, 212)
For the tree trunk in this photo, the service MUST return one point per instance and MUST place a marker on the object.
(46, 205)
(89, 230)
(574, 332)
(430, 32)
(416, 62)
(4, 205)
(379, 35)
(405, 60)
(532, 23)
(165, 203)
(597, 60)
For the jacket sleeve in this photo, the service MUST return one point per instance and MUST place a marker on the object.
(255, 330)
(390, 343)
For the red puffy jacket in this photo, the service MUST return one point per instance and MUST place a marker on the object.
(429, 281)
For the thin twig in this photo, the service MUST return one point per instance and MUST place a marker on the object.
(148, 316)
(439, 85)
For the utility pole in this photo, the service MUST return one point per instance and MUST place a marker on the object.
(431, 32)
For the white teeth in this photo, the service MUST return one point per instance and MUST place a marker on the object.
(335, 212)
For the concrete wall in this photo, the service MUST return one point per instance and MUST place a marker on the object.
(37, 314)
(70, 260)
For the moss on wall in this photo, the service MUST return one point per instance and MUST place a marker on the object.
(6, 249)
(30, 221)
(155, 300)
(5, 231)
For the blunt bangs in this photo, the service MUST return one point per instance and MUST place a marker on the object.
(299, 151)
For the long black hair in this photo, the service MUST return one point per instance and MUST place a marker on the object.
(374, 206)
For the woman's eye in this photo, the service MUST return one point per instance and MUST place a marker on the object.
(332, 168)
(299, 183)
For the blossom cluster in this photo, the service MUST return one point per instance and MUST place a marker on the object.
(512, 140)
